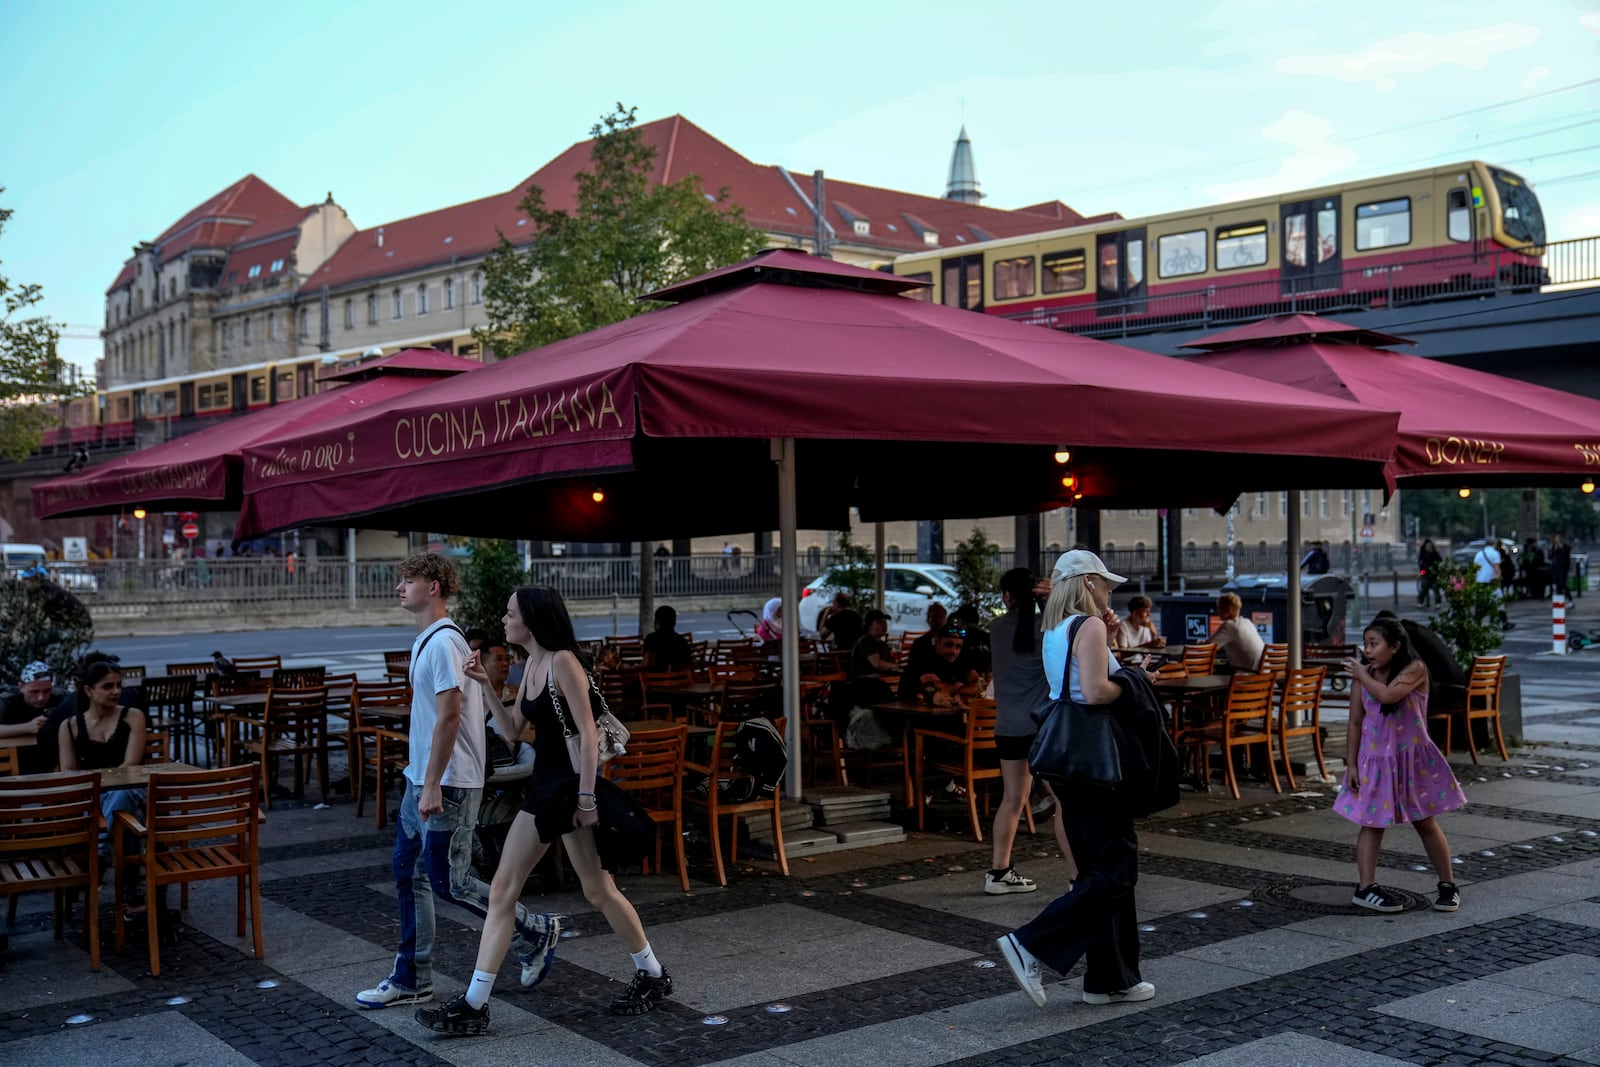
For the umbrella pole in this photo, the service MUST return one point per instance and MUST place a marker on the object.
(350, 563)
(1292, 608)
(789, 590)
(878, 569)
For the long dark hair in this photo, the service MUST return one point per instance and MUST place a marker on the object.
(544, 613)
(1019, 583)
(1389, 629)
(92, 670)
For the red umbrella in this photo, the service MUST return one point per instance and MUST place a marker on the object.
(1457, 425)
(202, 470)
(899, 407)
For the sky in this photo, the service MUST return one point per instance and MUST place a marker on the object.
(122, 117)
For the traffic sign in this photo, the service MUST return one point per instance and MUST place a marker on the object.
(1366, 533)
(190, 530)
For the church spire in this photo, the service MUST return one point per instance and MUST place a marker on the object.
(963, 184)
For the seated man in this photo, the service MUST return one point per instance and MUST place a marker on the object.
(839, 625)
(1237, 639)
(35, 708)
(871, 656)
(945, 669)
(922, 647)
(976, 649)
(664, 648)
(1135, 630)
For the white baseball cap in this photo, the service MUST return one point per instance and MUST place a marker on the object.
(1081, 561)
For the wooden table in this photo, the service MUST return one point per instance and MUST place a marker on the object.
(912, 708)
(115, 778)
(19, 741)
(1193, 683)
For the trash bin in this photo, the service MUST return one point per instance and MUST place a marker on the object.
(1184, 618)
(1323, 603)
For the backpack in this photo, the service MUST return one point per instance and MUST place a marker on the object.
(758, 751)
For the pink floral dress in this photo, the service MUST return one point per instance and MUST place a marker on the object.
(1404, 776)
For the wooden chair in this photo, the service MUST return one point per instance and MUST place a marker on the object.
(198, 825)
(747, 699)
(298, 677)
(257, 663)
(397, 665)
(652, 769)
(909, 638)
(198, 669)
(719, 768)
(9, 767)
(661, 707)
(377, 744)
(971, 758)
(292, 724)
(132, 674)
(1483, 700)
(1246, 721)
(157, 747)
(169, 702)
(1301, 698)
(1274, 660)
(212, 725)
(1200, 659)
(50, 839)
(1336, 686)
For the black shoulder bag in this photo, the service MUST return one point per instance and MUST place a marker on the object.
(1076, 743)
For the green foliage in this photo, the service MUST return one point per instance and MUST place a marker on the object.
(488, 578)
(627, 237)
(1443, 513)
(855, 573)
(42, 622)
(977, 573)
(1469, 622)
(32, 373)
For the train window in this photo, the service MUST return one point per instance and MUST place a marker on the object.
(1182, 253)
(1294, 240)
(219, 395)
(924, 293)
(203, 397)
(1135, 263)
(1110, 272)
(1243, 246)
(1063, 272)
(258, 389)
(123, 409)
(285, 385)
(1327, 234)
(1383, 224)
(1458, 216)
(1013, 277)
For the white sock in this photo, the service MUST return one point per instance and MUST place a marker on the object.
(482, 985)
(645, 960)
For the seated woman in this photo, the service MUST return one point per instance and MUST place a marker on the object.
(103, 733)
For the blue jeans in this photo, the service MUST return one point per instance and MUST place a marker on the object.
(436, 858)
(113, 801)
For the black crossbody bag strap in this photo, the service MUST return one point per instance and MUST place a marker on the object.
(411, 668)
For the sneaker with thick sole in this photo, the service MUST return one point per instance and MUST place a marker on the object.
(386, 994)
(1010, 882)
(643, 994)
(1024, 967)
(1142, 991)
(1449, 898)
(537, 966)
(1376, 898)
(455, 1016)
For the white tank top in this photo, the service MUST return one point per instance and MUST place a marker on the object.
(1055, 652)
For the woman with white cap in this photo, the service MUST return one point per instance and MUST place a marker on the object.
(1096, 917)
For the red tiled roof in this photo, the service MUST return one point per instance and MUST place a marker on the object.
(272, 225)
(248, 198)
(221, 221)
(237, 270)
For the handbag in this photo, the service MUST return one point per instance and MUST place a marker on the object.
(1076, 743)
(613, 736)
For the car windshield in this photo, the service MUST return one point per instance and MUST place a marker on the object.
(24, 559)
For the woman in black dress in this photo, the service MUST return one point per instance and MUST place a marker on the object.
(598, 823)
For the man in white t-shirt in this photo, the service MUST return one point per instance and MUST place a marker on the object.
(1237, 639)
(444, 785)
(1491, 563)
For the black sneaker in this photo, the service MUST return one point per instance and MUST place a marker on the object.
(1376, 898)
(1449, 898)
(642, 994)
(455, 1016)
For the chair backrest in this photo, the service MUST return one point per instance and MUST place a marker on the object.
(157, 747)
(296, 703)
(648, 680)
(720, 673)
(9, 767)
(980, 722)
(131, 675)
(1483, 681)
(185, 807)
(1200, 659)
(298, 677)
(257, 663)
(1302, 694)
(58, 814)
(1329, 651)
(748, 699)
(397, 662)
(652, 765)
(909, 638)
(223, 685)
(1274, 659)
(341, 690)
(171, 693)
(1249, 697)
(722, 751)
(197, 669)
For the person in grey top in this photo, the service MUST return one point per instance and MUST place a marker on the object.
(1020, 688)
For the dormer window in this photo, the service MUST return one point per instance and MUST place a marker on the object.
(255, 271)
(277, 265)
(863, 228)
(930, 238)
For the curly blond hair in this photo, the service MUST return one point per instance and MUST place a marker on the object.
(432, 567)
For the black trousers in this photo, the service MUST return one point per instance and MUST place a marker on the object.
(1096, 918)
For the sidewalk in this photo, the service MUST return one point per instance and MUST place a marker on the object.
(887, 955)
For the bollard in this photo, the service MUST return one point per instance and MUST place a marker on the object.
(1558, 624)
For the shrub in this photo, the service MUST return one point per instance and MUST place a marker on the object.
(1469, 621)
(42, 621)
(978, 573)
(488, 578)
(855, 573)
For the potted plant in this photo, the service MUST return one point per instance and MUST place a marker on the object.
(1469, 621)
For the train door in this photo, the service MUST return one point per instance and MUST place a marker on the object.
(1459, 220)
(961, 282)
(186, 399)
(1310, 256)
(140, 415)
(1120, 273)
(305, 379)
(241, 394)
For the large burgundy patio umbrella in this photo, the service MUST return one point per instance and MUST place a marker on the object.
(1458, 426)
(672, 422)
(202, 470)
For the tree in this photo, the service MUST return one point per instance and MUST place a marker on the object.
(488, 578)
(42, 622)
(855, 573)
(626, 237)
(977, 574)
(32, 373)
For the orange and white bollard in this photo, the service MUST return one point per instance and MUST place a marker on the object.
(1558, 624)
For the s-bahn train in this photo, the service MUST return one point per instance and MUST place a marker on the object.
(1423, 235)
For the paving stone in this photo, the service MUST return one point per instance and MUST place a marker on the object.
(867, 832)
(1508, 1013)
(1299, 1049)
(1573, 976)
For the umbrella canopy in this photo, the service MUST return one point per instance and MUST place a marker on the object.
(1457, 425)
(203, 469)
(898, 407)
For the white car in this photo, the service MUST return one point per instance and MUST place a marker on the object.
(76, 578)
(908, 588)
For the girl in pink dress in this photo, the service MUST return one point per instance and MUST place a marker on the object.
(1394, 773)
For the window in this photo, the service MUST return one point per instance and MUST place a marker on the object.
(272, 325)
(1013, 278)
(219, 394)
(1327, 234)
(422, 299)
(1322, 503)
(930, 238)
(1283, 505)
(372, 309)
(862, 227)
(1063, 272)
(397, 303)
(1261, 505)
(449, 293)
(247, 329)
(1242, 246)
(349, 314)
(305, 324)
(925, 293)
(277, 265)
(124, 408)
(285, 385)
(227, 334)
(1305, 505)
(1458, 216)
(1182, 253)
(1366, 501)
(254, 271)
(1384, 224)
(477, 287)
(1346, 502)
(258, 389)
(203, 397)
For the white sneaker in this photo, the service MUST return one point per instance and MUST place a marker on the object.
(1010, 882)
(537, 966)
(386, 994)
(1025, 967)
(1142, 991)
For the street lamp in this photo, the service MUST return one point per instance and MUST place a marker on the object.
(138, 514)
